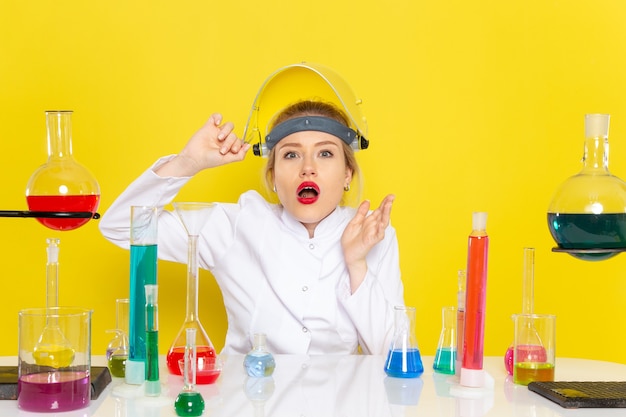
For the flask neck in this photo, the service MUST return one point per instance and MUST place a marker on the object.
(192, 279)
(596, 155)
(59, 128)
(260, 343)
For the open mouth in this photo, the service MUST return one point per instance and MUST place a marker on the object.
(308, 192)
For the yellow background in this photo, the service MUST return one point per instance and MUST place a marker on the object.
(472, 106)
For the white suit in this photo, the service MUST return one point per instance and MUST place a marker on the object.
(274, 278)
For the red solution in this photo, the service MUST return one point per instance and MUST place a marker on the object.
(63, 203)
(476, 291)
(53, 391)
(208, 354)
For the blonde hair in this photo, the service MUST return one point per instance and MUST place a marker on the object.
(311, 108)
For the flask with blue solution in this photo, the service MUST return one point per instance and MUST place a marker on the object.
(404, 359)
(259, 362)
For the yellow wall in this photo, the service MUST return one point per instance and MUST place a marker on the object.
(472, 106)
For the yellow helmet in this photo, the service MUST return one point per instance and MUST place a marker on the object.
(304, 81)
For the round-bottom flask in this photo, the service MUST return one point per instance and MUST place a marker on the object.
(587, 215)
(62, 184)
(259, 362)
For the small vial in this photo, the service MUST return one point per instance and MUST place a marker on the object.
(259, 362)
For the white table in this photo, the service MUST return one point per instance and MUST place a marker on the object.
(342, 386)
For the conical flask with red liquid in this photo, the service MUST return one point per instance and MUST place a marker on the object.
(193, 216)
(61, 184)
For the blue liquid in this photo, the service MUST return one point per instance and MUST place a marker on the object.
(589, 231)
(259, 365)
(444, 361)
(143, 270)
(407, 364)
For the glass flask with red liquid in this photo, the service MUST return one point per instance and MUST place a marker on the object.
(193, 216)
(587, 214)
(532, 346)
(62, 185)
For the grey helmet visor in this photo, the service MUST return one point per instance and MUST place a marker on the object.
(314, 123)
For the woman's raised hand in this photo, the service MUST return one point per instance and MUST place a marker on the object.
(362, 233)
(214, 144)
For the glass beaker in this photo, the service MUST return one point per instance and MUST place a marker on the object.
(587, 214)
(57, 385)
(143, 270)
(193, 216)
(404, 359)
(445, 357)
(117, 349)
(534, 356)
(62, 184)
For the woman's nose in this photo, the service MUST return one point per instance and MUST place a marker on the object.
(308, 167)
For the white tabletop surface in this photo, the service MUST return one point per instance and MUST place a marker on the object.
(342, 386)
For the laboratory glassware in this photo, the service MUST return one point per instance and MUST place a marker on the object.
(193, 215)
(404, 359)
(472, 374)
(57, 386)
(61, 185)
(259, 362)
(117, 349)
(53, 349)
(153, 385)
(143, 270)
(189, 402)
(460, 319)
(445, 356)
(534, 364)
(533, 345)
(587, 213)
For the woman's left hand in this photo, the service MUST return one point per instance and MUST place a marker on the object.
(362, 233)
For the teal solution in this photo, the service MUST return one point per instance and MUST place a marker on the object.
(589, 231)
(444, 362)
(143, 270)
(404, 364)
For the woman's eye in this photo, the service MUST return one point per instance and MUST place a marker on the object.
(326, 154)
(289, 155)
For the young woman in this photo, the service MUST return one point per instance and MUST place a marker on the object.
(313, 275)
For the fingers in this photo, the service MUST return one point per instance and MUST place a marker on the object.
(378, 220)
(227, 140)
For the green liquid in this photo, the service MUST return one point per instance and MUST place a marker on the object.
(117, 366)
(189, 403)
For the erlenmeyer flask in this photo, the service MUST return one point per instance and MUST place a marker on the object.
(404, 359)
(117, 349)
(193, 217)
(587, 215)
(445, 357)
(62, 184)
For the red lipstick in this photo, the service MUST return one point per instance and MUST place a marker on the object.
(308, 192)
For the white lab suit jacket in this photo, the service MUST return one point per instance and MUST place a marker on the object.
(273, 277)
